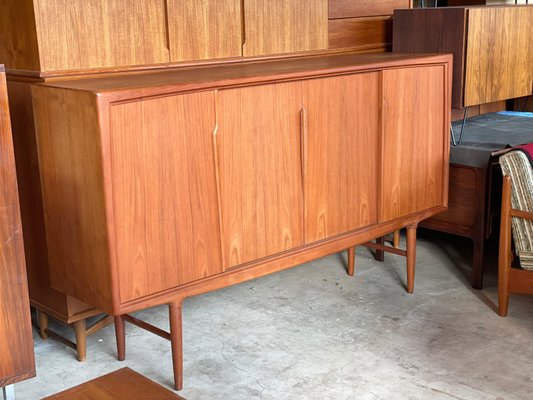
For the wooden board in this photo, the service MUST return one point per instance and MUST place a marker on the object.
(364, 8)
(123, 384)
(16, 343)
(499, 65)
(204, 29)
(105, 33)
(360, 33)
(280, 26)
(259, 165)
(341, 154)
(165, 209)
(414, 179)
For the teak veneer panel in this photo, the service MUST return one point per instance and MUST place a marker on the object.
(104, 33)
(164, 193)
(360, 33)
(280, 26)
(204, 29)
(16, 343)
(341, 154)
(260, 169)
(414, 179)
(364, 8)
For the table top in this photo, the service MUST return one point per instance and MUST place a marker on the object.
(123, 384)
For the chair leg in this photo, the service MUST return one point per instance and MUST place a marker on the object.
(120, 334)
(380, 254)
(351, 261)
(504, 257)
(176, 343)
(411, 258)
(396, 239)
(43, 324)
(81, 339)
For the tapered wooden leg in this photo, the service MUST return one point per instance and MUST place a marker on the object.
(81, 339)
(380, 254)
(504, 258)
(43, 324)
(351, 261)
(411, 258)
(396, 239)
(120, 334)
(176, 343)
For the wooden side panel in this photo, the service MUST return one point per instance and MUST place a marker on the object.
(364, 8)
(360, 33)
(164, 193)
(499, 60)
(18, 36)
(68, 141)
(415, 152)
(341, 154)
(259, 161)
(441, 30)
(280, 26)
(79, 34)
(16, 344)
(204, 29)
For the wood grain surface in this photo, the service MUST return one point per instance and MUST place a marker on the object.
(204, 29)
(361, 33)
(123, 384)
(164, 193)
(260, 170)
(341, 154)
(415, 156)
(364, 8)
(279, 26)
(16, 343)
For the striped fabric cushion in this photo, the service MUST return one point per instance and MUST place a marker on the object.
(517, 165)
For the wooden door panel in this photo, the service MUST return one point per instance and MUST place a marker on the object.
(164, 193)
(341, 154)
(259, 161)
(414, 153)
(280, 26)
(204, 29)
(80, 34)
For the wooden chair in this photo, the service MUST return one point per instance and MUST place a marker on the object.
(517, 212)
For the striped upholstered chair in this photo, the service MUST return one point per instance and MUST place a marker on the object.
(517, 211)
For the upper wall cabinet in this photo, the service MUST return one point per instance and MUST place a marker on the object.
(281, 26)
(204, 29)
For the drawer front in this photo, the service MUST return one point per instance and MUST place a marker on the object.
(364, 8)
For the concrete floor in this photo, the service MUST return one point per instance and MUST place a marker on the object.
(312, 332)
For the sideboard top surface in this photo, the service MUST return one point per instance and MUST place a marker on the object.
(217, 76)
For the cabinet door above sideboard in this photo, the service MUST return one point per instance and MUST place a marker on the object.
(341, 154)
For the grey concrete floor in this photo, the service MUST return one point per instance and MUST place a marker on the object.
(312, 332)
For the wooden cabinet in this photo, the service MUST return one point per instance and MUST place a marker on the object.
(341, 154)
(16, 344)
(492, 48)
(279, 26)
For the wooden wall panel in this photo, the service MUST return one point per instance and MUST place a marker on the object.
(414, 153)
(499, 65)
(364, 8)
(341, 154)
(106, 33)
(204, 29)
(72, 179)
(280, 26)
(16, 343)
(361, 33)
(164, 193)
(259, 161)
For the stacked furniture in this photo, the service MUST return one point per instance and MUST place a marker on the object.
(173, 163)
(493, 61)
(16, 344)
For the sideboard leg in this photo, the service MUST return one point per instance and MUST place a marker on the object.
(411, 258)
(120, 334)
(351, 261)
(396, 239)
(81, 339)
(43, 324)
(380, 254)
(176, 343)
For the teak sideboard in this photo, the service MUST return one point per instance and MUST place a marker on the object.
(16, 343)
(160, 186)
